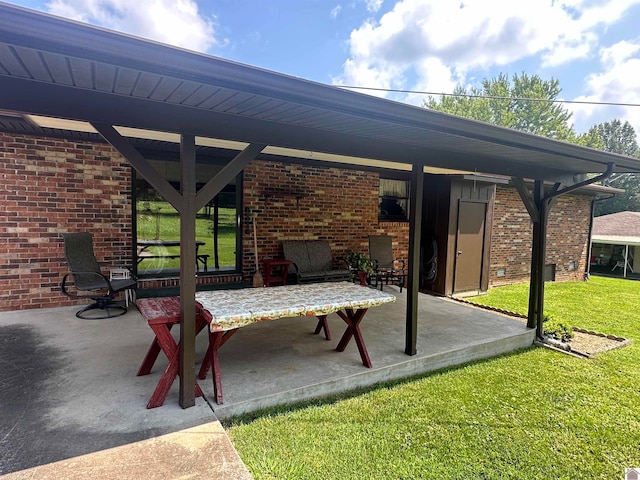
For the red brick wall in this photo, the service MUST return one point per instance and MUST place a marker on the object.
(51, 186)
(512, 233)
(296, 202)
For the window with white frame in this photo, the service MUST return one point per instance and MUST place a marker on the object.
(393, 200)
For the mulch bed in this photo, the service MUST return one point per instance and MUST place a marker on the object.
(585, 343)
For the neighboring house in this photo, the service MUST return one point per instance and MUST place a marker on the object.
(616, 243)
(80, 183)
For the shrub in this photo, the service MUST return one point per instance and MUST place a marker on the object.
(359, 261)
(557, 330)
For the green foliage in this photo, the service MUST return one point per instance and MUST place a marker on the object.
(359, 261)
(534, 413)
(523, 103)
(621, 138)
(558, 330)
(617, 137)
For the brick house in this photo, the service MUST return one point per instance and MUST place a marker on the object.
(364, 148)
(52, 184)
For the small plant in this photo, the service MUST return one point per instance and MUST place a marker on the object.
(557, 330)
(359, 261)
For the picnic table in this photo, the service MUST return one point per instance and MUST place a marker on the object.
(144, 251)
(234, 309)
(226, 311)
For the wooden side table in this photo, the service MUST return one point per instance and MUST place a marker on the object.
(275, 271)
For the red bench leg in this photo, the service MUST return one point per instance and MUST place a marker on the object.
(216, 340)
(353, 330)
(323, 325)
(165, 341)
(151, 356)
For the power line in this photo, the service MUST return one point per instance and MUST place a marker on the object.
(492, 97)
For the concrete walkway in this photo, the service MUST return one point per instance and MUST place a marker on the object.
(69, 386)
(199, 452)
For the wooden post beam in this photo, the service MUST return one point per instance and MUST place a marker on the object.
(151, 175)
(228, 173)
(415, 232)
(187, 272)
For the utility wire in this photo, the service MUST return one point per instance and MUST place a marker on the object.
(585, 102)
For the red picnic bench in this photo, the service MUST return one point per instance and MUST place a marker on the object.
(162, 314)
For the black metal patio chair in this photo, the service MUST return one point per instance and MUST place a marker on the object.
(85, 276)
(386, 269)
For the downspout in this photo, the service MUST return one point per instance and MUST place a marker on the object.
(544, 208)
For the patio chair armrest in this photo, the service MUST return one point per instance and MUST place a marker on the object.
(297, 270)
(95, 281)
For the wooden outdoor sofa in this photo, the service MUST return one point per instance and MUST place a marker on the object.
(312, 261)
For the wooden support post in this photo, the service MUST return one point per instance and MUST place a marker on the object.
(542, 246)
(415, 230)
(187, 271)
(534, 211)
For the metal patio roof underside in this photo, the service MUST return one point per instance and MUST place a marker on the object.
(55, 67)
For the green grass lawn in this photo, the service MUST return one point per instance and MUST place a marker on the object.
(161, 220)
(530, 414)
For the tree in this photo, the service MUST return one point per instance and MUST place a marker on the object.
(525, 103)
(617, 137)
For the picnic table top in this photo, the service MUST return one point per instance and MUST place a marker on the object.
(231, 309)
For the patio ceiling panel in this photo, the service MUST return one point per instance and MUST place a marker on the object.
(9, 63)
(182, 93)
(280, 113)
(125, 83)
(146, 84)
(253, 102)
(219, 97)
(238, 98)
(59, 71)
(33, 63)
(165, 87)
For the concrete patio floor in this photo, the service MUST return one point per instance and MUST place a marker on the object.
(69, 386)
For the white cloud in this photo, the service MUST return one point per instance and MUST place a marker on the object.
(176, 22)
(373, 5)
(472, 35)
(617, 83)
(619, 53)
(433, 76)
(336, 11)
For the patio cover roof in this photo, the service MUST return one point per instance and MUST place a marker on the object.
(60, 68)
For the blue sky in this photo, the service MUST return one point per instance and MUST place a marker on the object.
(591, 46)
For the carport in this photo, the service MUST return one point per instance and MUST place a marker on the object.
(120, 86)
(617, 233)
